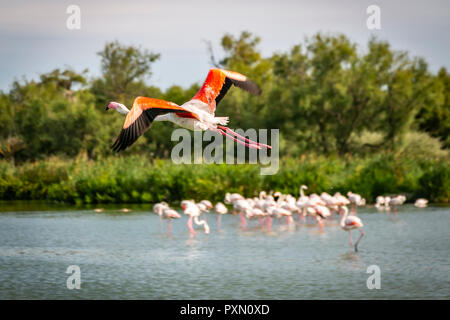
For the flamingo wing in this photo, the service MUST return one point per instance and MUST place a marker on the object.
(353, 221)
(217, 84)
(140, 118)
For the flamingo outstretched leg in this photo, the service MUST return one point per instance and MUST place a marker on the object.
(251, 146)
(243, 138)
(218, 221)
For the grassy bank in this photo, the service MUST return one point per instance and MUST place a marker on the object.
(137, 179)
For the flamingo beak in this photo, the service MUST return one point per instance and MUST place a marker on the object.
(111, 105)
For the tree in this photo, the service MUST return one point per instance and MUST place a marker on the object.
(43, 120)
(434, 116)
(124, 69)
(63, 79)
(242, 55)
(324, 93)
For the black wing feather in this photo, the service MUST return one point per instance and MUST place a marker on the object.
(246, 85)
(226, 86)
(129, 135)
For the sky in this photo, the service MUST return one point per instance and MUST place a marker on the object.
(34, 38)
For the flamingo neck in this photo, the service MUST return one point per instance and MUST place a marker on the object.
(302, 194)
(160, 211)
(122, 109)
(344, 216)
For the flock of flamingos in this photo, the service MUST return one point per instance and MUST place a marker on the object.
(199, 114)
(285, 208)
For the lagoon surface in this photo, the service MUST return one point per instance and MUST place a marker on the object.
(130, 256)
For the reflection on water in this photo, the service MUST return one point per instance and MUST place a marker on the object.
(130, 256)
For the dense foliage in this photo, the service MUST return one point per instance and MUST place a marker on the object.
(138, 179)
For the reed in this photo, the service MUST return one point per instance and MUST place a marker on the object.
(138, 179)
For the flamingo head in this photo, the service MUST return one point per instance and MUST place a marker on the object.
(185, 203)
(277, 195)
(118, 107)
(207, 204)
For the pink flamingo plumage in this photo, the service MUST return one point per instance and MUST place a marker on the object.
(196, 114)
(349, 223)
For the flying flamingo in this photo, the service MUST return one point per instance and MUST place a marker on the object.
(196, 114)
(349, 223)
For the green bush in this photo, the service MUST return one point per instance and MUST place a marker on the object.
(138, 179)
(435, 183)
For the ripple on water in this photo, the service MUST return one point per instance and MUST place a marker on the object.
(131, 257)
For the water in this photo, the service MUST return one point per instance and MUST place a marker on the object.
(128, 256)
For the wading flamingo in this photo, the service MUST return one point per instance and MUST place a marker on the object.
(355, 200)
(380, 203)
(190, 208)
(421, 203)
(220, 210)
(397, 201)
(204, 206)
(169, 214)
(165, 212)
(242, 206)
(232, 197)
(196, 114)
(349, 223)
(157, 209)
(301, 203)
